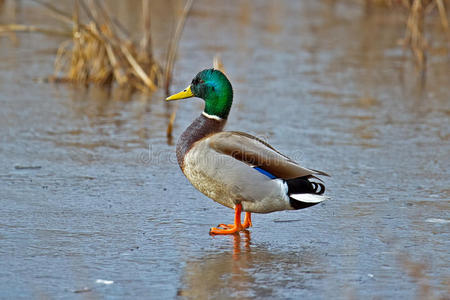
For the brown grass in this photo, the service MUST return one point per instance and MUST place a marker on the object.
(415, 31)
(98, 52)
(9, 28)
(415, 27)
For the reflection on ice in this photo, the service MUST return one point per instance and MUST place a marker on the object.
(250, 271)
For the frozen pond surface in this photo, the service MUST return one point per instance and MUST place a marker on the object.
(93, 204)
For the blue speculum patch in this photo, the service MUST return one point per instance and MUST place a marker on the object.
(271, 176)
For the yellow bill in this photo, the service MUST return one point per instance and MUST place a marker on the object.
(186, 93)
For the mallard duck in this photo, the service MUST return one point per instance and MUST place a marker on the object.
(237, 169)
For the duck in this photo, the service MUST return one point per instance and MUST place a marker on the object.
(234, 168)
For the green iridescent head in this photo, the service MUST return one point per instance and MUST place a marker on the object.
(213, 87)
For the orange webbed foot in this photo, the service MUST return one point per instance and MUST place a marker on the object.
(232, 230)
(237, 226)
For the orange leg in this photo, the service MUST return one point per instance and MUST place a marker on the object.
(247, 220)
(232, 228)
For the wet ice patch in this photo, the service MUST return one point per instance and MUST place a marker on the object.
(102, 281)
(438, 221)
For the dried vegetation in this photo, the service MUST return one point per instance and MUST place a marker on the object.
(99, 49)
(415, 33)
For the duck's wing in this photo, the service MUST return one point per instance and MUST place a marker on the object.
(255, 152)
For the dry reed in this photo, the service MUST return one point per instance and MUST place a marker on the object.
(98, 52)
(173, 45)
(8, 28)
(415, 33)
(415, 28)
(170, 61)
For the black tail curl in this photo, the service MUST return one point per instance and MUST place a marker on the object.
(302, 185)
(319, 188)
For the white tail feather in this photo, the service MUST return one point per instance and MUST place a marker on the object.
(309, 198)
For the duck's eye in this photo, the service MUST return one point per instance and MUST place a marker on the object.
(197, 81)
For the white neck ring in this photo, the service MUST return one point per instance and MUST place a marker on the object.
(212, 116)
